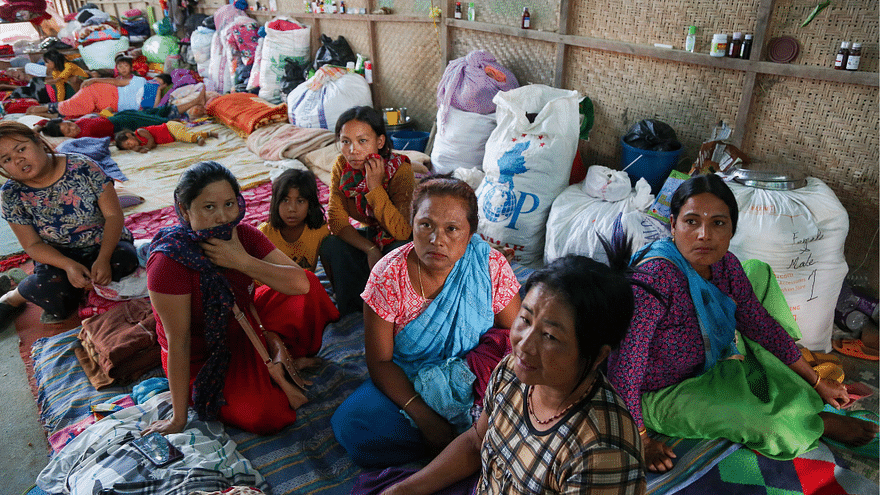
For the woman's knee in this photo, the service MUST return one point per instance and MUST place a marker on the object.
(123, 261)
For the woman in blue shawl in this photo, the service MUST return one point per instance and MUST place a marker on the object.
(429, 312)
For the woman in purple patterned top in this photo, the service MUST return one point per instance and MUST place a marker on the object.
(674, 370)
(65, 213)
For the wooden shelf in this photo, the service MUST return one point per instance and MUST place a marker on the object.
(344, 17)
(681, 56)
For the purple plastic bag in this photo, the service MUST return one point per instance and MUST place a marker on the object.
(467, 86)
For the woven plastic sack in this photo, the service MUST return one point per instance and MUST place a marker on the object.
(460, 141)
(471, 82)
(527, 164)
(603, 204)
(278, 48)
(101, 55)
(800, 233)
(321, 107)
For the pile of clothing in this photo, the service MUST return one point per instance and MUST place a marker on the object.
(135, 23)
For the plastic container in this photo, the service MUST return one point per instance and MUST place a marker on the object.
(410, 140)
(653, 166)
(719, 45)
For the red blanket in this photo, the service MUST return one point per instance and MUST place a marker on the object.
(245, 112)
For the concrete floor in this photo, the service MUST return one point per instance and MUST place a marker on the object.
(24, 449)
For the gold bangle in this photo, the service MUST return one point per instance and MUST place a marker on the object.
(409, 401)
(372, 248)
(818, 379)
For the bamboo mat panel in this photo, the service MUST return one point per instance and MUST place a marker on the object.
(844, 20)
(531, 61)
(409, 61)
(627, 89)
(831, 132)
(662, 22)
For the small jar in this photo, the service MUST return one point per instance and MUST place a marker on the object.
(855, 56)
(719, 45)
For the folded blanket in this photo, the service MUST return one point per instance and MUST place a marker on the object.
(245, 112)
(122, 341)
(279, 141)
(98, 149)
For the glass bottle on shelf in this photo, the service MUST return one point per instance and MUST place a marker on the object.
(457, 10)
(526, 18)
(842, 55)
(746, 50)
(855, 56)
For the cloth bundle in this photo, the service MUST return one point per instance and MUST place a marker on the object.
(119, 345)
(280, 141)
(470, 83)
(245, 112)
(135, 22)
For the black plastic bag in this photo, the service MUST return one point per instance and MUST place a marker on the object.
(242, 74)
(208, 22)
(193, 22)
(295, 73)
(652, 135)
(334, 52)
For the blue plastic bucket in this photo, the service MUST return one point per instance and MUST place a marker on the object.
(410, 140)
(653, 166)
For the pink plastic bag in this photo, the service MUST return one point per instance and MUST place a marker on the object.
(469, 83)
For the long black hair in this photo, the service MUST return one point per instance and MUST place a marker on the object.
(53, 128)
(304, 182)
(56, 58)
(371, 117)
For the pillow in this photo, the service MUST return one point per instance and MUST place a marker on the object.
(126, 197)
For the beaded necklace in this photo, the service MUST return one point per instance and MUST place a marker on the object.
(561, 413)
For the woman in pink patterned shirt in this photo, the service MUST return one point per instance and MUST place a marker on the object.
(431, 306)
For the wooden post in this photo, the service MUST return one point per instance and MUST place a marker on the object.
(562, 28)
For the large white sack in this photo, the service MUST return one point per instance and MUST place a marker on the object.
(102, 54)
(527, 164)
(321, 109)
(200, 46)
(800, 234)
(278, 48)
(460, 141)
(594, 207)
(254, 79)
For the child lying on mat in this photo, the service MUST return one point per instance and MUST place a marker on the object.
(147, 138)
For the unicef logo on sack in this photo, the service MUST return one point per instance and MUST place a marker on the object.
(500, 200)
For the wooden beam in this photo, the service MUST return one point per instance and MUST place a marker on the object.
(681, 56)
(374, 55)
(562, 28)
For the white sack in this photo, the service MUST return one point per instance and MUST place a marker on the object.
(321, 109)
(800, 234)
(460, 141)
(278, 48)
(579, 215)
(527, 164)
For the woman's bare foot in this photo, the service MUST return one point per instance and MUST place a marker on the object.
(848, 430)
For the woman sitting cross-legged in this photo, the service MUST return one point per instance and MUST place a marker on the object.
(429, 311)
(674, 368)
(201, 272)
(552, 422)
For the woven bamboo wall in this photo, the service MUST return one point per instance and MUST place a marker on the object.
(830, 131)
(627, 89)
(530, 61)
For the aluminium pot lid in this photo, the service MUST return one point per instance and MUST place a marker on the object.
(770, 179)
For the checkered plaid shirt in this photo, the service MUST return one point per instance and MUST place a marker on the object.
(594, 449)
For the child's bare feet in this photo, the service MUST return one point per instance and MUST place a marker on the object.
(201, 140)
(848, 430)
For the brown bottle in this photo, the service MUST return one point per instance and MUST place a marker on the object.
(855, 56)
(458, 10)
(842, 55)
(526, 18)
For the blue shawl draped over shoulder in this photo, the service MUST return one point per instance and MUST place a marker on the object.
(715, 309)
(431, 348)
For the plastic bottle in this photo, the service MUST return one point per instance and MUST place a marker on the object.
(842, 55)
(746, 50)
(333, 8)
(690, 42)
(458, 10)
(472, 11)
(735, 46)
(368, 71)
(342, 6)
(855, 56)
(526, 18)
(719, 45)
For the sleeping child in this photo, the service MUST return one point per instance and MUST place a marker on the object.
(147, 138)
